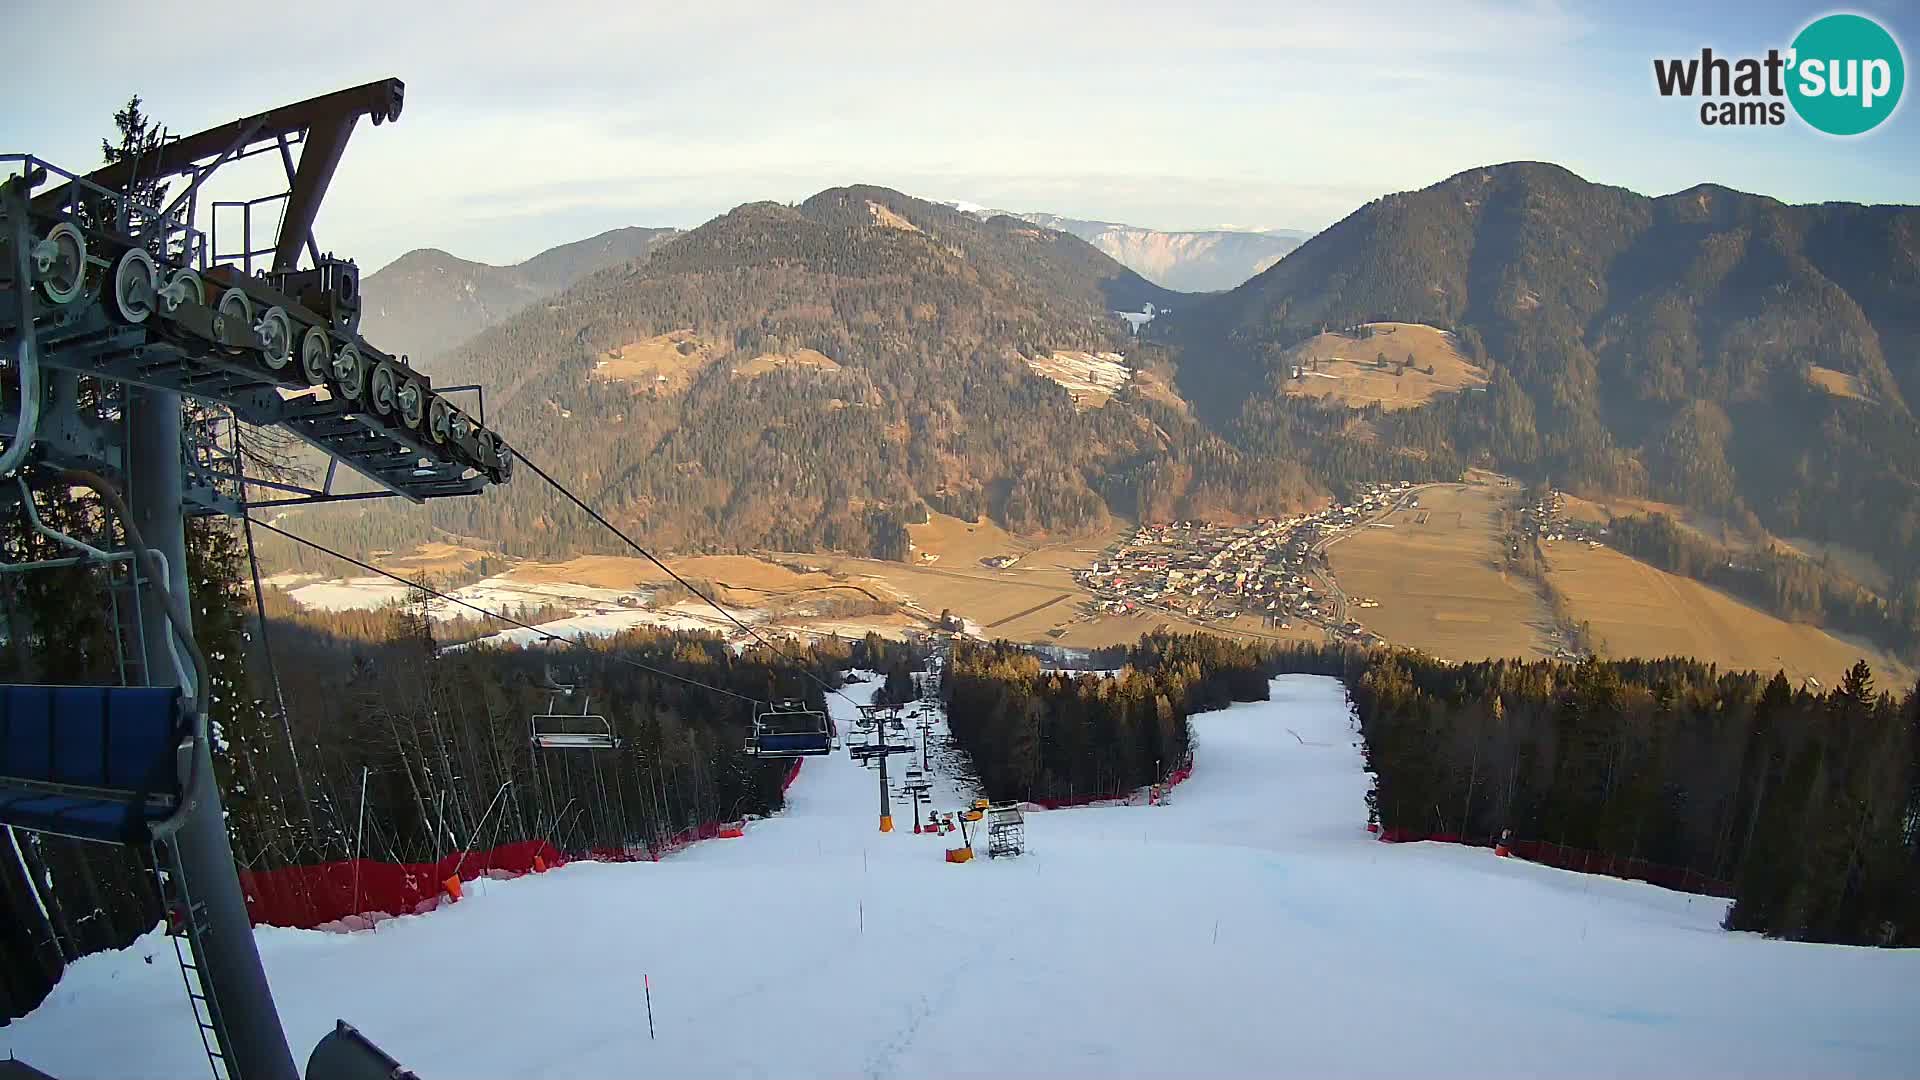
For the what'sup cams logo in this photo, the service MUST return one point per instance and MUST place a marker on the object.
(1842, 75)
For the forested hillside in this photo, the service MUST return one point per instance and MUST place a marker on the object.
(806, 377)
(1712, 348)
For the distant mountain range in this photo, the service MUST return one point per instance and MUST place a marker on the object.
(1206, 260)
(426, 302)
(804, 377)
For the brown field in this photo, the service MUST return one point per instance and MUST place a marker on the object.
(886, 218)
(1837, 383)
(435, 558)
(769, 362)
(667, 363)
(1027, 601)
(1127, 629)
(1152, 384)
(1347, 373)
(743, 580)
(1636, 610)
(1706, 526)
(1439, 583)
(958, 542)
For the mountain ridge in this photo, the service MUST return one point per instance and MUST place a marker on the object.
(428, 300)
(1714, 348)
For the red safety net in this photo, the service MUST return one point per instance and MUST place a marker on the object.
(1173, 779)
(309, 897)
(1580, 860)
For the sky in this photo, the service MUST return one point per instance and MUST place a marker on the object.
(532, 124)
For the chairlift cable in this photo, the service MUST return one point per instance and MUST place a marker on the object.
(684, 583)
(266, 637)
(430, 591)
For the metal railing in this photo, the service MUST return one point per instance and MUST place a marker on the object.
(164, 234)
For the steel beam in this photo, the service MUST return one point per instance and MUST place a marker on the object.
(253, 1042)
(381, 100)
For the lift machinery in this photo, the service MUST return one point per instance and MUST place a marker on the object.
(112, 310)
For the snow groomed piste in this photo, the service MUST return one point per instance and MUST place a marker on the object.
(1249, 928)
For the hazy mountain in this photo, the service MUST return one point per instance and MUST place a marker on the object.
(427, 301)
(805, 377)
(1709, 347)
(1206, 260)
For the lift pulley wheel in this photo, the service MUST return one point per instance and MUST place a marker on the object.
(276, 338)
(61, 262)
(350, 371)
(314, 356)
(134, 286)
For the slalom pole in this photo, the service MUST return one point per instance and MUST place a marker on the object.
(647, 981)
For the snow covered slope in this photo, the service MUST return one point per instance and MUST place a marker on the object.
(1250, 928)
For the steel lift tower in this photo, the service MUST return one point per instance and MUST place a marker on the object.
(111, 313)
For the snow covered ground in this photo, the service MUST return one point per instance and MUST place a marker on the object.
(1249, 928)
(1101, 374)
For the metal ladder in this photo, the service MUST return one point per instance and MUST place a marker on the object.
(186, 919)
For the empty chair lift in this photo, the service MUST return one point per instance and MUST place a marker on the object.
(790, 729)
(573, 731)
(99, 763)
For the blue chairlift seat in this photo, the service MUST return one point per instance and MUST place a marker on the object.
(790, 731)
(91, 762)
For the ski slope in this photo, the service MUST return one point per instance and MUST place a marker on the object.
(1250, 928)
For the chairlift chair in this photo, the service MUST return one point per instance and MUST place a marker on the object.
(790, 729)
(554, 730)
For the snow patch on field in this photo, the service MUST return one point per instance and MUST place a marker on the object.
(1249, 928)
(349, 594)
(1090, 377)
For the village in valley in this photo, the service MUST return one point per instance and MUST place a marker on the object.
(1275, 568)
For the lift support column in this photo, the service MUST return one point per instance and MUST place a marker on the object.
(242, 1005)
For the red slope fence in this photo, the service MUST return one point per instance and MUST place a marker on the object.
(353, 893)
(1151, 793)
(1582, 861)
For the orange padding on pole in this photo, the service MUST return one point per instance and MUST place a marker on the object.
(452, 886)
(960, 854)
(886, 823)
(732, 832)
(539, 865)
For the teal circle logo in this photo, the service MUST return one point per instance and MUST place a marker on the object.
(1847, 74)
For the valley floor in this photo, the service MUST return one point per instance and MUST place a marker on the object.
(1250, 928)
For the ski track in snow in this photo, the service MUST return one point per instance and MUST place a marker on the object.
(1092, 955)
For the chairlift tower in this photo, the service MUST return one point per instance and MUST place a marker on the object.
(111, 312)
(879, 750)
